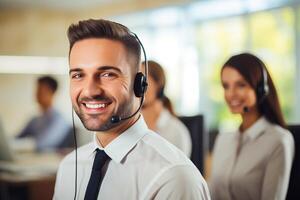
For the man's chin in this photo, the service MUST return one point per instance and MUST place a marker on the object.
(101, 129)
(96, 125)
(93, 122)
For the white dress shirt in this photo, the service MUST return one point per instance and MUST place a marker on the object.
(254, 165)
(173, 130)
(143, 165)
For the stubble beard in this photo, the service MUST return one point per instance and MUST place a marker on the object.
(93, 123)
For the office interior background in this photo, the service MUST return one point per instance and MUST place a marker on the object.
(190, 38)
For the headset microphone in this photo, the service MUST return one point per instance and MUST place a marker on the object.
(115, 119)
(246, 109)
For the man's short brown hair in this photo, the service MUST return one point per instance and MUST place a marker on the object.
(100, 28)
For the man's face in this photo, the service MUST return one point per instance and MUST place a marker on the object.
(100, 82)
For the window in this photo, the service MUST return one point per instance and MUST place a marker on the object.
(216, 42)
(193, 45)
(273, 39)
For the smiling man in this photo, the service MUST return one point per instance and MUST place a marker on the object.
(126, 160)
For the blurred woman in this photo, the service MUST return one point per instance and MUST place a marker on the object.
(158, 111)
(255, 161)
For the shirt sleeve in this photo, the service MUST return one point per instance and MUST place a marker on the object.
(27, 130)
(65, 179)
(54, 134)
(57, 184)
(180, 183)
(185, 142)
(276, 179)
(181, 136)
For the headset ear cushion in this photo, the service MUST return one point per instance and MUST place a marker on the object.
(262, 91)
(140, 84)
(259, 91)
(161, 93)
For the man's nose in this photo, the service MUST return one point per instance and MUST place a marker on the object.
(93, 87)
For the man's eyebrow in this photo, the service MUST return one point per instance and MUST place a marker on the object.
(75, 70)
(101, 68)
(109, 68)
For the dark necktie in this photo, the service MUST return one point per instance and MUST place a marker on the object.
(93, 187)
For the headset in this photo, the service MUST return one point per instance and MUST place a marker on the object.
(139, 87)
(262, 88)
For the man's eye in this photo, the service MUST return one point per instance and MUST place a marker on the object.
(76, 76)
(108, 75)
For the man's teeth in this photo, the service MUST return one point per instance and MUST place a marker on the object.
(101, 105)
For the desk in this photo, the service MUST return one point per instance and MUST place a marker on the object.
(34, 188)
(32, 178)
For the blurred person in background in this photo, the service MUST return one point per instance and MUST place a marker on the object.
(158, 111)
(49, 130)
(255, 161)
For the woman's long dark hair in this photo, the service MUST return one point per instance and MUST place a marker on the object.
(250, 67)
(156, 72)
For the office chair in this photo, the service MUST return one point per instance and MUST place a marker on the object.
(294, 187)
(195, 125)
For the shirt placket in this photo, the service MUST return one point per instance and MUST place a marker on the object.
(235, 160)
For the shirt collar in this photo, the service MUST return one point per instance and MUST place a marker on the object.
(120, 146)
(255, 130)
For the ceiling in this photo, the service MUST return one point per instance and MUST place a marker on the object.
(58, 4)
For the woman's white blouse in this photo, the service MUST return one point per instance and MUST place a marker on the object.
(254, 165)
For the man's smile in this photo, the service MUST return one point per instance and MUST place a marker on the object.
(94, 107)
